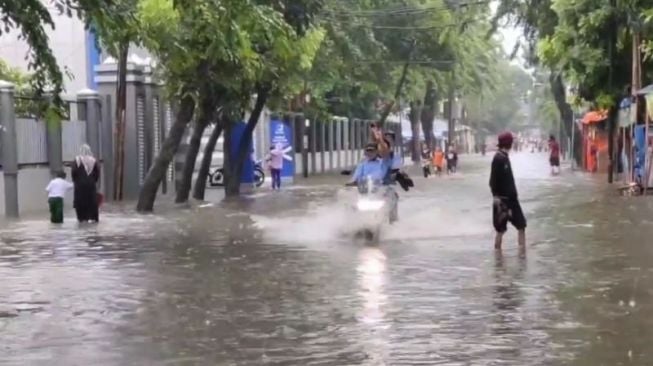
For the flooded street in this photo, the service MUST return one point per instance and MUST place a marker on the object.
(270, 281)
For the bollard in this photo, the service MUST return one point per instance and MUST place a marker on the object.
(9, 148)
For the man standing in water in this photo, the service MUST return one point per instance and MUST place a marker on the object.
(506, 207)
(554, 155)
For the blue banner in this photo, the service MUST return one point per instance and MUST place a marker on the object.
(281, 133)
(92, 59)
(247, 175)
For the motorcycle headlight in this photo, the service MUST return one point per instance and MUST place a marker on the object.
(369, 205)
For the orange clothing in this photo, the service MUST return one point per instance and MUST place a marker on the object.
(438, 159)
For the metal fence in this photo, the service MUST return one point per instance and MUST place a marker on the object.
(31, 139)
(73, 136)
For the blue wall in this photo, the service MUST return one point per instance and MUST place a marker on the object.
(92, 59)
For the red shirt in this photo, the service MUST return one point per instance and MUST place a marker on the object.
(555, 149)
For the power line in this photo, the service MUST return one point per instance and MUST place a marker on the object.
(416, 28)
(417, 62)
(406, 10)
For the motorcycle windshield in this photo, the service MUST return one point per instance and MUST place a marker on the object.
(368, 186)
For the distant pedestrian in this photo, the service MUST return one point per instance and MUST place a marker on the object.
(554, 155)
(452, 160)
(275, 161)
(57, 189)
(438, 160)
(426, 161)
(505, 207)
(85, 174)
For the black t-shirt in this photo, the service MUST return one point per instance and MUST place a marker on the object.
(502, 182)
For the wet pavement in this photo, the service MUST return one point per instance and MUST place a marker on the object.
(270, 281)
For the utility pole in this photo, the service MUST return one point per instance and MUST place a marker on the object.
(635, 85)
(452, 92)
(611, 113)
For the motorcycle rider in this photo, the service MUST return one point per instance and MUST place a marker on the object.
(381, 165)
(372, 166)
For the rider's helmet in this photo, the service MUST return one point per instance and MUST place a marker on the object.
(371, 150)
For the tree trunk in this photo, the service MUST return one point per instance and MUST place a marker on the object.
(566, 113)
(400, 85)
(231, 184)
(232, 176)
(208, 105)
(183, 188)
(415, 111)
(428, 114)
(203, 173)
(121, 107)
(170, 146)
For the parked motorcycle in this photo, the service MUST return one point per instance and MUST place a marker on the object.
(216, 177)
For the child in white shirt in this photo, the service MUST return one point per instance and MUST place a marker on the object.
(57, 189)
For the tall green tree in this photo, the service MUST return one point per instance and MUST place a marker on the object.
(230, 49)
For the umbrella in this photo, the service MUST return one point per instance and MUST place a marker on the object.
(595, 116)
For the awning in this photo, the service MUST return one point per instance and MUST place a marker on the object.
(646, 90)
(595, 116)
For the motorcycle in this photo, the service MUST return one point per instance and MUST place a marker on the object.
(373, 206)
(216, 177)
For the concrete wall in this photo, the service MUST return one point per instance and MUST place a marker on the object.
(31, 191)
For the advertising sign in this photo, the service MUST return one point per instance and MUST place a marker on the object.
(281, 133)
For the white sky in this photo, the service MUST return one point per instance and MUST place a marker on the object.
(509, 37)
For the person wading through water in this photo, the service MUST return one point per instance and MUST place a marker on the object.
(85, 174)
(554, 155)
(505, 207)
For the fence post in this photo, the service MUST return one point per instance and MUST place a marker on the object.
(331, 127)
(359, 139)
(90, 99)
(301, 119)
(348, 142)
(149, 115)
(323, 146)
(9, 148)
(354, 128)
(54, 143)
(338, 140)
(313, 140)
(107, 147)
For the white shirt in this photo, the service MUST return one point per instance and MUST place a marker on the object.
(58, 187)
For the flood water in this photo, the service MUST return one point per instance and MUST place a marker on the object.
(270, 281)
